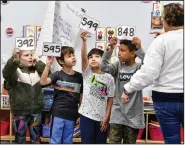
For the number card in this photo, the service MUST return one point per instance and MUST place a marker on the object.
(89, 24)
(157, 9)
(51, 49)
(125, 32)
(25, 43)
(101, 34)
(111, 32)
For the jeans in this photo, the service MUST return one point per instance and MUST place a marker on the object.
(61, 131)
(171, 118)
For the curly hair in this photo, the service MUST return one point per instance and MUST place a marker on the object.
(174, 14)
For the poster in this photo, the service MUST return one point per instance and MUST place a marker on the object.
(111, 32)
(101, 34)
(156, 22)
(100, 45)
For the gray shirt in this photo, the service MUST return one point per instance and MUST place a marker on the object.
(132, 113)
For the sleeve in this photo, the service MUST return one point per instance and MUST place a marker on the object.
(106, 66)
(111, 87)
(140, 53)
(151, 68)
(81, 89)
(87, 72)
(39, 66)
(54, 77)
(9, 71)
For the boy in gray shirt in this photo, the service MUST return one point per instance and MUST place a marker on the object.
(126, 119)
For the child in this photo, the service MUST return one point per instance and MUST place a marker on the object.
(126, 120)
(68, 86)
(97, 97)
(26, 98)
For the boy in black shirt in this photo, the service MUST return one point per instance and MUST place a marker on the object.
(68, 88)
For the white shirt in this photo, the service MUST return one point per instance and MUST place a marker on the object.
(163, 65)
(96, 90)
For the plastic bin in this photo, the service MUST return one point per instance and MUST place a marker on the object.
(155, 132)
(48, 98)
(4, 127)
(45, 130)
(182, 134)
(140, 134)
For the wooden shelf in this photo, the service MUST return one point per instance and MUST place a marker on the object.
(4, 108)
(154, 142)
(8, 138)
(75, 140)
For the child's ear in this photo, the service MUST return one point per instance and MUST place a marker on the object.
(61, 62)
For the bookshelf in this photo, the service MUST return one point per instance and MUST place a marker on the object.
(11, 137)
(146, 140)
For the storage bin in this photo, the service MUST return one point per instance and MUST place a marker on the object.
(155, 132)
(5, 127)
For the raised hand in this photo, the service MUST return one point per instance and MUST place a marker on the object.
(83, 36)
(137, 42)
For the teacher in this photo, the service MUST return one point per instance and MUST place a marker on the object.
(163, 67)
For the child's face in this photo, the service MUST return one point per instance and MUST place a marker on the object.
(125, 54)
(70, 60)
(94, 61)
(26, 58)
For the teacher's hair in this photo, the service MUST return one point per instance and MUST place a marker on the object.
(174, 14)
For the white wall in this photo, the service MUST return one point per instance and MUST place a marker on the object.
(110, 13)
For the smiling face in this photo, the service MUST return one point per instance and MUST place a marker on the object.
(26, 58)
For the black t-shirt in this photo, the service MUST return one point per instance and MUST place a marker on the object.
(67, 90)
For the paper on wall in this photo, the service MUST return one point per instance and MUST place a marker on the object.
(61, 25)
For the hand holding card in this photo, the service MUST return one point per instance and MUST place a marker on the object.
(113, 42)
(83, 36)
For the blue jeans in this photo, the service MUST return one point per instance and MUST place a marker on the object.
(61, 131)
(171, 118)
(90, 131)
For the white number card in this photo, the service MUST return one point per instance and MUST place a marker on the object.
(125, 32)
(89, 24)
(27, 43)
(51, 49)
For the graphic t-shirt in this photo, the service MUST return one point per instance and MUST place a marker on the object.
(97, 88)
(67, 90)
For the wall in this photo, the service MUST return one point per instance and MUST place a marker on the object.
(18, 13)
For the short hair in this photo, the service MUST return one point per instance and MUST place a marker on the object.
(64, 50)
(174, 14)
(129, 44)
(95, 51)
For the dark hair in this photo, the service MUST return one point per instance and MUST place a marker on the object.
(129, 44)
(174, 14)
(95, 51)
(65, 50)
